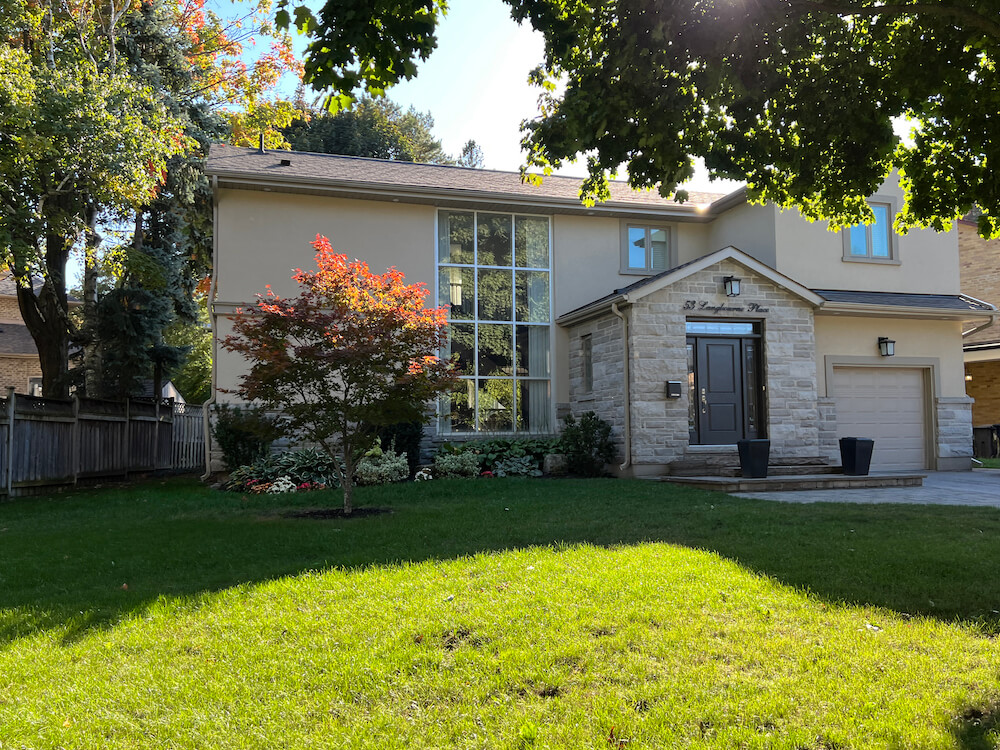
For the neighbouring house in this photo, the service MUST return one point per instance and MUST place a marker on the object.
(19, 365)
(687, 326)
(980, 278)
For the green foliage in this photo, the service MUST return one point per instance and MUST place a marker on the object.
(797, 98)
(194, 378)
(500, 449)
(456, 465)
(587, 444)
(305, 466)
(516, 467)
(405, 437)
(244, 433)
(378, 129)
(369, 44)
(382, 467)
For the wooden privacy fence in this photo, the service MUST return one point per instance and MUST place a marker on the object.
(48, 442)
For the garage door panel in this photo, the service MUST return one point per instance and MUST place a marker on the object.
(889, 405)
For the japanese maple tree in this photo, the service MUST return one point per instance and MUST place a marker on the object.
(355, 350)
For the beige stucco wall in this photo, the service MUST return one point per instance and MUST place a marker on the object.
(264, 236)
(747, 228)
(814, 256)
(848, 336)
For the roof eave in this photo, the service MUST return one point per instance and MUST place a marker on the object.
(900, 311)
(691, 213)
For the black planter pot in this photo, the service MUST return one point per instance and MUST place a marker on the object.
(856, 455)
(753, 457)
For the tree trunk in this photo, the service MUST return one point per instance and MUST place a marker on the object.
(347, 482)
(46, 316)
(91, 347)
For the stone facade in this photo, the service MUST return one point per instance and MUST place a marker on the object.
(954, 433)
(607, 397)
(658, 354)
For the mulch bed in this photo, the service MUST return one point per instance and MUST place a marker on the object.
(325, 514)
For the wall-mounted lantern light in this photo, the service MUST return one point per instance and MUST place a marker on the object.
(732, 285)
(968, 378)
(886, 346)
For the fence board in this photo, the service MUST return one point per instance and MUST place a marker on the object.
(49, 442)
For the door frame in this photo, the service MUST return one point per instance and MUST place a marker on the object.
(757, 336)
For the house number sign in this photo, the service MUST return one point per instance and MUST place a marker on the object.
(693, 304)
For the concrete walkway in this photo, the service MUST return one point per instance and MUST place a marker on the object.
(977, 487)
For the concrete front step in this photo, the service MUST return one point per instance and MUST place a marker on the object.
(801, 482)
(775, 470)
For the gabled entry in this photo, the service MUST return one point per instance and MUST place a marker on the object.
(725, 387)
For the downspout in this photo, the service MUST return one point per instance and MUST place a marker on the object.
(628, 393)
(990, 321)
(206, 409)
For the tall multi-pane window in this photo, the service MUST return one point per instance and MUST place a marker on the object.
(494, 277)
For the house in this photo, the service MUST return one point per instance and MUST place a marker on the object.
(980, 277)
(687, 326)
(19, 365)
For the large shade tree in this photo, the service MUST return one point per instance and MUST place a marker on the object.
(797, 97)
(353, 352)
(104, 117)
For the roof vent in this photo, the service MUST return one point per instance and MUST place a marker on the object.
(261, 150)
(285, 162)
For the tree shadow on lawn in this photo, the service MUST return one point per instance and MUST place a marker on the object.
(89, 559)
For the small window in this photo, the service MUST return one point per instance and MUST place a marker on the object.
(587, 349)
(873, 242)
(35, 387)
(646, 249)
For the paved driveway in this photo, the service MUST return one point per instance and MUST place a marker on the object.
(978, 487)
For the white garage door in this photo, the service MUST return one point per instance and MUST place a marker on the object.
(889, 405)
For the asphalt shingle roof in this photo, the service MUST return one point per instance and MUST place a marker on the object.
(901, 299)
(249, 163)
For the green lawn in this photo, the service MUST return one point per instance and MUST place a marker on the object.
(496, 614)
(991, 463)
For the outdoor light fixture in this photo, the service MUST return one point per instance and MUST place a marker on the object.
(886, 346)
(968, 378)
(732, 285)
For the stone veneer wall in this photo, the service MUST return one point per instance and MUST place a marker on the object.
(954, 433)
(607, 398)
(658, 351)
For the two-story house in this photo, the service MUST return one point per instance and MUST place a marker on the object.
(687, 326)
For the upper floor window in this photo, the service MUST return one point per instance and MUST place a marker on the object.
(645, 249)
(873, 242)
(494, 277)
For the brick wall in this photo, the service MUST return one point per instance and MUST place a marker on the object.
(979, 262)
(9, 309)
(15, 371)
(985, 389)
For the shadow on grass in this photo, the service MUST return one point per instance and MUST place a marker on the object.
(977, 728)
(87, 560)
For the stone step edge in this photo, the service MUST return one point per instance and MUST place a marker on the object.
(772, 470)
(795, 483)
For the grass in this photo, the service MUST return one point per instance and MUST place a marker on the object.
(991, 463)
(496, 614)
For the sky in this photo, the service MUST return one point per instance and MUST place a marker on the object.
(475, 86)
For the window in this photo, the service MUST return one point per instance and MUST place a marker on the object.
(34, 386)
(587, 354)
(873, 242)
(645, 249)
(493, 274)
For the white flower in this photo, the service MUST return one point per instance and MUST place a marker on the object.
(281, 484)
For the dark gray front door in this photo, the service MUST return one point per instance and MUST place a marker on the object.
(719, 383)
